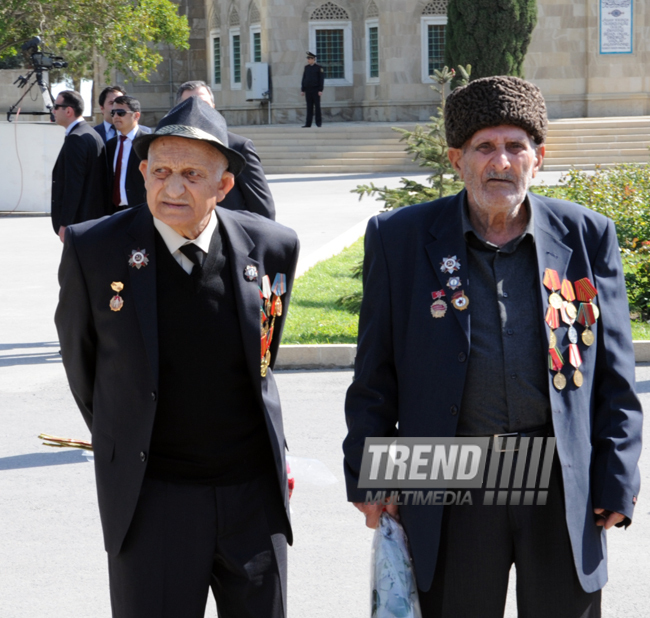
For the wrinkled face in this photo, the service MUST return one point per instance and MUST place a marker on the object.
(201, 92)
(108, 105)
(185, 178)
(497, 165)
(126, 123)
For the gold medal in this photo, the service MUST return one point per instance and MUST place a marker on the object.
(571, 310)
(438, 308)
(587, 337)
(577, 378)
(460, 301)
(266, 360)
(555, 300)
(117, 302)
(552, 340)
(559, 381)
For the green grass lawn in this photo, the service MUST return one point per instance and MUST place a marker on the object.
(314, 316)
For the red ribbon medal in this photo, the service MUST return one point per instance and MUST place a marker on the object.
(552, 317)
(551, 279)
(567, 290)
(439, 306)
(585, 290)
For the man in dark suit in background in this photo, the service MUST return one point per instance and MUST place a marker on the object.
(251, 191)
(503, 352)
(170, 316)
(106, 98)
(311, 87)
(80, 174)
(126, 181)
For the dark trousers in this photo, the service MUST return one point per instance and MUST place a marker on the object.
(479, 544)
(185, 539)
(313, 101)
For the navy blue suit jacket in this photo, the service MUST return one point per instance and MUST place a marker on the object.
(134, 184)
(410, 369)
(111, 357)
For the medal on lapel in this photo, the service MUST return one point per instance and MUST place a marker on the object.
(460, 301)
(139, 258)
(588, 312)
(454, 283)
(450, 264)
(439, 306)
(555, 363)
(117, 302)
(250, 273)
(270, 308)
(576, 360)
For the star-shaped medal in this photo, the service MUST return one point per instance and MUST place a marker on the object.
(450, 264)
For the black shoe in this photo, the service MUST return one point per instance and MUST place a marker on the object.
(318, 126)
(306, 126)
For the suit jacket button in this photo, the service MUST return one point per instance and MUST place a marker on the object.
(454, 410)
(462, 357)
(143, 457)
(153, 395)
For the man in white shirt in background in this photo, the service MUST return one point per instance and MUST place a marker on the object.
(126, 181)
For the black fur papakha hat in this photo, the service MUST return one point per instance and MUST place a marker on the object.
(193, 118)
(491, 102)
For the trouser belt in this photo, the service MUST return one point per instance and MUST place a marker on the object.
(503, 442)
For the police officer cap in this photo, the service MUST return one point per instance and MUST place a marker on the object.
(491, 102)
(310, 55)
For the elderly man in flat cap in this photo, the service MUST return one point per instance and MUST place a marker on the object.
(170, 317)
(499, 313)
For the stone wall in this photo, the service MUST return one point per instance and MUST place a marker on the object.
(563, 59)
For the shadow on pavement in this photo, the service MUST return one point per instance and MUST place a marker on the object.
(19, 357)
(41, 460)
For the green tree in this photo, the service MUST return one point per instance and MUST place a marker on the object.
(428, 145)
(491, 35)
(123, 32)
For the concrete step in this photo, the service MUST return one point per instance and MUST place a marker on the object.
(375, 147)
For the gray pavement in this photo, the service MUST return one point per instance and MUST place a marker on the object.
(51, 552)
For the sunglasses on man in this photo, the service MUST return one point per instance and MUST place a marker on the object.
(120, 112)
(60, 105)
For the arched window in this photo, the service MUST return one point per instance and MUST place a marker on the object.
(330, 38)
(255, 21)
(433, 25)
(214, 53)
(372, 43)
(235, 50)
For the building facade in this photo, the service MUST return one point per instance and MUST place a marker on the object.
(378, 56)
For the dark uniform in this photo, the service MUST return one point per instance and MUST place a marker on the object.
(313, 81)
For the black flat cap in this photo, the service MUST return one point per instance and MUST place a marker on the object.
(193, 118)
(492, 102)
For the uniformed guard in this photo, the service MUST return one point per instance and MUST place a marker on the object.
(313, 80)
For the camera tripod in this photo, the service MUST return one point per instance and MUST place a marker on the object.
(36, 75)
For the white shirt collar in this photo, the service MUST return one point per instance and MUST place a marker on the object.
(131, 134)
(72, 125)
(175, 241)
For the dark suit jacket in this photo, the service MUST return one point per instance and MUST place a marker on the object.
(410, 368)
(134, 184)
(251, 191)
(80, 178)
(102, 130)
(111, 358)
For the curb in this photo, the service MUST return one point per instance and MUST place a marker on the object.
(341, 355)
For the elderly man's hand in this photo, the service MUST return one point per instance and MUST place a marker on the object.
(373, 512)
(608, 518)
(62, 233)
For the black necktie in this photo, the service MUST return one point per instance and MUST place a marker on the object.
(194, 253)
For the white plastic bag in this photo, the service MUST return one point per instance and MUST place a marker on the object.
(392, 580)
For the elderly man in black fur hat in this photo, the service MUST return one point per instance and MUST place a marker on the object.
(500, 314)
(170, 317)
